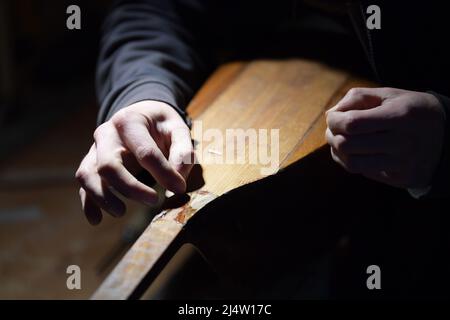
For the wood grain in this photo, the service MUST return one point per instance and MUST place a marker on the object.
(288, 95)
(150, 251)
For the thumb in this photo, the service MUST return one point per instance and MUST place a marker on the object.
(181, 154)
(359, 99)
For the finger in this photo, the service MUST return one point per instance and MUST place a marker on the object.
(360, 99)
(111, 169)
(91, 210)
(181, 154)
(141, 144)
(372, 143)
(361, 121)
(96, 189)
(365, 164)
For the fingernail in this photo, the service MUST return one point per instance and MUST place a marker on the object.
(169, 193)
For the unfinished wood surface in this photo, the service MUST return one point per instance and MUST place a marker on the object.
(290, 96)
(151, 248)
(314, 138)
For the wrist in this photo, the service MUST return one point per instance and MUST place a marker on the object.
(143, 90)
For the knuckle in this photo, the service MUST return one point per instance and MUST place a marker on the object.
(82, 175)
(354, 92)
(121, 118)
(99, 131)
(331, 121)
(147, 154)
(327, 119)
(341, 144)
(350, 122)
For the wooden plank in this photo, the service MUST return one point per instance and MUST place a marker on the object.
(289, 95)
(285, 95)
(314, 138)
(215, 85)
(152, 247)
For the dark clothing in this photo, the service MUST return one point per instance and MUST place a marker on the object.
(164, 50)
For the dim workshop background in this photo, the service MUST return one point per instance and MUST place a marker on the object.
(47, 116)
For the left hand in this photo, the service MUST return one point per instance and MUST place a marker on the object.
(390, 135)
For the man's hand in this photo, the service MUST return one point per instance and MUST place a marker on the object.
(389, 135)
(146, 135)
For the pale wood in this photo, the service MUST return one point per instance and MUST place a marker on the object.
(314, 138)
(216, 84)
(286, 95)
(290, 95)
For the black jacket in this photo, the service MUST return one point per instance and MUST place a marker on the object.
(164, 50)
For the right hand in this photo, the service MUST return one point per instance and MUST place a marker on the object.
(148, 135)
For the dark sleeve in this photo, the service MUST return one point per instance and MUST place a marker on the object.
(440, 186)
(150, 50)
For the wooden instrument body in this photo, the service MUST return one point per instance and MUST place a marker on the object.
(288, 95)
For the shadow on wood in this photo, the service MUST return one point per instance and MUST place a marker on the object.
(309, 231)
